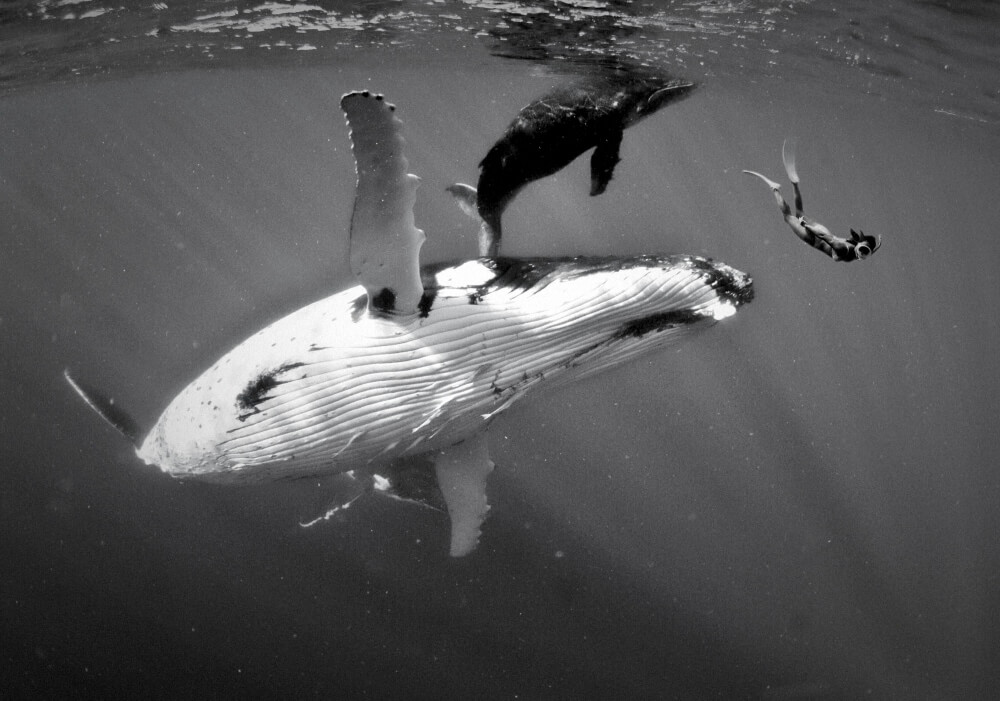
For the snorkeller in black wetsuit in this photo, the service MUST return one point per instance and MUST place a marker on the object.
(858, 247)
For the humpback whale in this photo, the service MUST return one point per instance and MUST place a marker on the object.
(413, 364)
(550, 132)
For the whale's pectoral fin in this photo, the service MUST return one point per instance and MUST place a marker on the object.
(105, 407)
(604, 160)
(461, 472)
(385, 242)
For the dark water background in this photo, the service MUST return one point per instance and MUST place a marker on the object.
(801, 503)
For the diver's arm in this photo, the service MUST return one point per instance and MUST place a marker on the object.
(775, 188)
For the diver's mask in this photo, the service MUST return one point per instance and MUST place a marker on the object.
(864, 246)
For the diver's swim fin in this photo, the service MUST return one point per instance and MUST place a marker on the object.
(788, 158)
(105, 407)
(770, 183)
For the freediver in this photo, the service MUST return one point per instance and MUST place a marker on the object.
(858, 247)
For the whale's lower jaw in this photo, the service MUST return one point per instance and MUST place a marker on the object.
(335, 386)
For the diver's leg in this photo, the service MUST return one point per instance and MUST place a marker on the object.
(798, 199)
(794, 222)
(776, 189)
(788, 158)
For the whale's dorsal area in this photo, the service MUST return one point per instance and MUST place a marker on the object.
(385, 242)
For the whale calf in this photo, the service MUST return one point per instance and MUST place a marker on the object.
(416, 362)
(552, 131)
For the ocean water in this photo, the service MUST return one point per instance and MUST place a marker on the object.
(800, 503)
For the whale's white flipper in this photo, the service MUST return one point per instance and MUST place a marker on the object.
(462, 470)
(385, 242)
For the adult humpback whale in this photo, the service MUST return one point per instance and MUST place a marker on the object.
(417, 362)
(550, 132)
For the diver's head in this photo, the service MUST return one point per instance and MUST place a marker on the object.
(864, 246)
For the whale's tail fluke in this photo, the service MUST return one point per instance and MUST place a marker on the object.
(467, 198)
(105, 407)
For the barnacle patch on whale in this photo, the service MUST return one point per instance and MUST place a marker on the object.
(256, 390)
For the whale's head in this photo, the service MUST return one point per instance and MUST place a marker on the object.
(648, 95)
